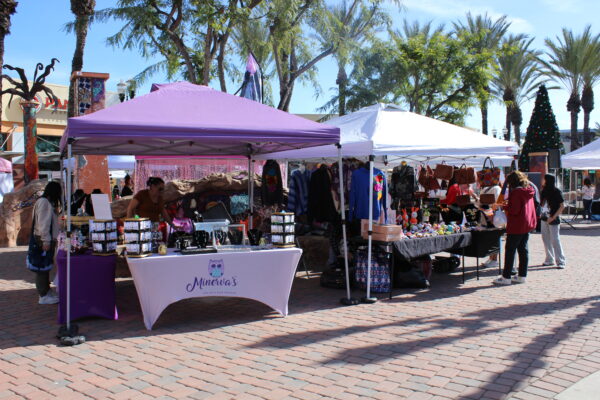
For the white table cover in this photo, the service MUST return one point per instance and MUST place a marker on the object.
(264, 275)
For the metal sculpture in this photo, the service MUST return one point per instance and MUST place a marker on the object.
(30, 105)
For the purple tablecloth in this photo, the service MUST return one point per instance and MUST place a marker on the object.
(92, 286)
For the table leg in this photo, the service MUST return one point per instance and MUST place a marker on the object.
(392, 274)
(477, 268)
(500, 256)
(463, 264)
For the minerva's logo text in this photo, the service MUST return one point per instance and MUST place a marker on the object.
(216, 271)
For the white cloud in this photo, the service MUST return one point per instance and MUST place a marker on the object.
(451, 9)
(570, 6)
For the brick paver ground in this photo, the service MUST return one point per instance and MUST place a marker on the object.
(454, 341)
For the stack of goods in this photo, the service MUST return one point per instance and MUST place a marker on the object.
(283, 229)
(103, 234)
(138, 237)
(391, 233)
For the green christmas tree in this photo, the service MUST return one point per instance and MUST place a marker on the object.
(542, 132)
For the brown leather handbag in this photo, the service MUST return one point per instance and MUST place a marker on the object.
(465, 175)
(444, 171)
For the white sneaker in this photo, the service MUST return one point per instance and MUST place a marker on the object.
(548, 264)
(561, 266)
(501, 281)
(492, 263)
(518, 279)
(49, 298)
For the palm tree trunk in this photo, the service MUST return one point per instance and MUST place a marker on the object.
(342, 80)
(574, 106)
(518, 134)
(30, 136)
(81, 29)
(508, 123)
(587, 103)
(484, 118)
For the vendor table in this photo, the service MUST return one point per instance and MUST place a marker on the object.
(413, 248)
(92, 286)
(263, 275)
(484, 243)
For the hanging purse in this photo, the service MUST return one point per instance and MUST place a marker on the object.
(465, 175)
(488, 176)
(444, 171)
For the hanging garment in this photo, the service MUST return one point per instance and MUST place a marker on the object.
(320, 201)
(349, 166)
(359, 194)
(298, 193)
(272, 186)
(402, 187)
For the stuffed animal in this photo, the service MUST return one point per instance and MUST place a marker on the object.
(404, 218)
(413, 215)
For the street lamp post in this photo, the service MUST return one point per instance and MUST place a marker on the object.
(121, 89)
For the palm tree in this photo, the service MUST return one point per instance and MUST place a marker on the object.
(83, 10)
(7, 8)
(517, 79)
(566, 65)
(27, 94)
(590, 76)
(489, 33)
(348, 25)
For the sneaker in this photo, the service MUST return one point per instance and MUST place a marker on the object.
(492, 263)
(561, 266)
(49, 298)
(548, 264)
(501, 281)
(519, 279)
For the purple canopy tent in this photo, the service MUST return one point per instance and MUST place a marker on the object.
(183, 119)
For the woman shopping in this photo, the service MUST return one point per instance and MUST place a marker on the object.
(521, 220)
(553, 205)
(587, 195)
(42, 242)
(148, 203)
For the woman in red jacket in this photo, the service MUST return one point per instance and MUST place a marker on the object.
(521, 219)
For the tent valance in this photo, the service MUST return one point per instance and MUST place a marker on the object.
(586, 157)
(184, 119)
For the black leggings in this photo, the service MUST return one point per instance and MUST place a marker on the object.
(42, 282)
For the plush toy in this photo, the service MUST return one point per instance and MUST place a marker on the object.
(414, 212)
(404, 218)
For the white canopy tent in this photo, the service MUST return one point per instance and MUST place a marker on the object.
(586, 157)
(386, 130)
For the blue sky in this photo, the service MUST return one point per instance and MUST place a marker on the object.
(37, 35)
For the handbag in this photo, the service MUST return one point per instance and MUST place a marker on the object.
(443, 171)
(427, 178)
(465, 175)
(487, 198)
(463, 200)
(39, 260)
(488, 176)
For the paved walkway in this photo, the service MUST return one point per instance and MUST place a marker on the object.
(454, 341)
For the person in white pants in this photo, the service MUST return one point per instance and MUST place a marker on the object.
(552, 206)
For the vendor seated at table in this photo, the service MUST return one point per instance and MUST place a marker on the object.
(455, 190)
(148, 203)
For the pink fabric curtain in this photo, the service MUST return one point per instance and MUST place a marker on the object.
(171, 168)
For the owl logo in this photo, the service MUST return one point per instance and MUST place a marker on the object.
(216, 268)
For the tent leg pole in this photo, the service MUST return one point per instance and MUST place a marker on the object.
(368, 298)
(251, 195)
(348, 300)
(68, 333)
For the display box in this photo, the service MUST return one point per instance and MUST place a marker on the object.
(377, 228)
(283, 229)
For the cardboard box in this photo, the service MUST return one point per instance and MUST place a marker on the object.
(377, 228)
